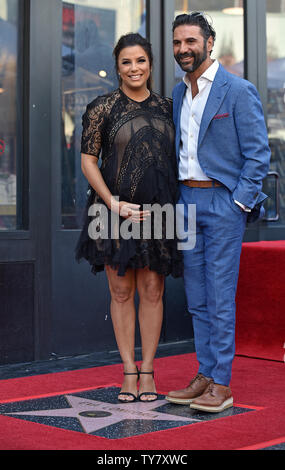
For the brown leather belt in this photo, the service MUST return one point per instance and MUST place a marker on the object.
(201, 184)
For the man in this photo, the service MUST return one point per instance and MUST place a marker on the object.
(223, 156)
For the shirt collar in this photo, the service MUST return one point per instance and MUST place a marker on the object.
(209, 74)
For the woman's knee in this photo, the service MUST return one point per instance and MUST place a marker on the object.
(152, 292)
(122, 289)
(122, 294)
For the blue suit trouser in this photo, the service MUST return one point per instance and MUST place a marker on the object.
(211, 271)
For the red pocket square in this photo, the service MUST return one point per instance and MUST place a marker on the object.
(221, 116)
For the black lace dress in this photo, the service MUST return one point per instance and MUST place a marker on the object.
(136, 143)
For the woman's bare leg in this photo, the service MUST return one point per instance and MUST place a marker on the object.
(123, 315)
(150, 287)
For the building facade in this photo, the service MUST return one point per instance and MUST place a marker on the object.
(55, 57)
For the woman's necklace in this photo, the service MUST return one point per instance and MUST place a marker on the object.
(135, 96)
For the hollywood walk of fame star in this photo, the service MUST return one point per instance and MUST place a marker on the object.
(94, 415)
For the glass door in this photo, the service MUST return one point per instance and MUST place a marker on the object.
(10, 120)
(275, 24)
(90, 30)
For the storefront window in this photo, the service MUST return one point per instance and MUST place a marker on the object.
(275, 25)
(8, 116)
(90, 30)
(227, 19)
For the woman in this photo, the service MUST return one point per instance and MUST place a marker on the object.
(132, 126)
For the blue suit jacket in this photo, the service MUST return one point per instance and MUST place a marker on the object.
(233, 144)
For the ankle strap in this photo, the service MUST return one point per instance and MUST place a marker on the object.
(132, 373)
(152, 373)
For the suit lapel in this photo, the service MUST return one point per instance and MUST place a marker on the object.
(177, 115)
(219, 88)
(178, 104)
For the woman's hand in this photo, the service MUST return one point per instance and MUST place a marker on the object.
(129, 210)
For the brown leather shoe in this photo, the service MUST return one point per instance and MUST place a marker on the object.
(216, 398)
(185, 396)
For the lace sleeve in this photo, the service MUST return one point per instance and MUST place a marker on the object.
(92, 122)
(165, 103)
(169, 101)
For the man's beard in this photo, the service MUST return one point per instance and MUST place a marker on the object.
(198, 60)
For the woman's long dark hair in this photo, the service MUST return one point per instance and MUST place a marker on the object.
(134, 39)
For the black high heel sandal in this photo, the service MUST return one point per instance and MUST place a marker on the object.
(147, 393)
(134, 397)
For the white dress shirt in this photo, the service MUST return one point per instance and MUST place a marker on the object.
(191, 115)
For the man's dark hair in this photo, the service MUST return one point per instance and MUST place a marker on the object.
(195, 18)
